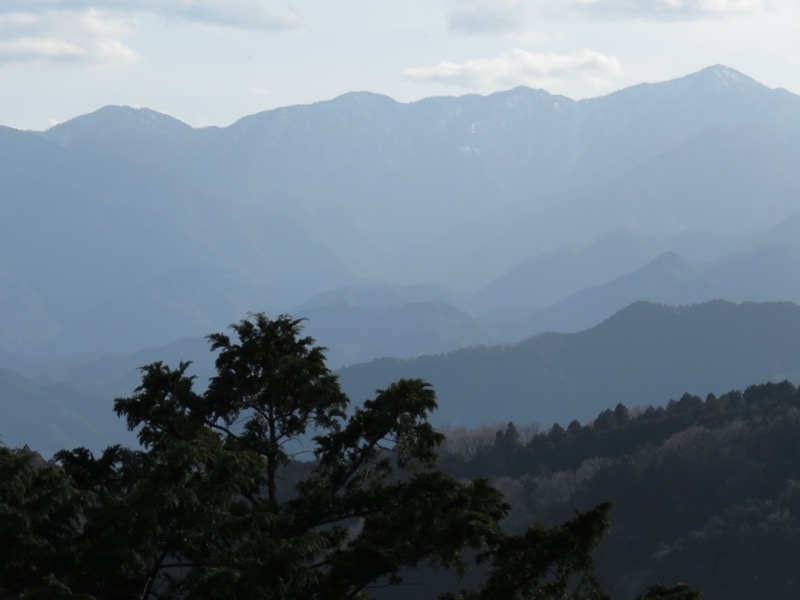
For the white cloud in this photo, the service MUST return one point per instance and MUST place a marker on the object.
(519, 67)
(241, 14)
(41, 47)
(89, 37)
(653, 9)
(95, 32)
(487, 16)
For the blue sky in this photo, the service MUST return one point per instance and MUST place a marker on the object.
(210, 62)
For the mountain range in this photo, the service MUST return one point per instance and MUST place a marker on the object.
(399, 230)
(130, 212)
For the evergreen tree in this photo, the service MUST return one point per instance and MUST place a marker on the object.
(206, 508)
(216, 503)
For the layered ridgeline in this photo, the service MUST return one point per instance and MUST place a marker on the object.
(645, 354)
(125, 228)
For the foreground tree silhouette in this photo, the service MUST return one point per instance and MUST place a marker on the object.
(39, 510)
(216, 504)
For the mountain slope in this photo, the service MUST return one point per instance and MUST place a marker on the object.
(646, 353)
(355, 334)
(552, 276)
(768, 271)
(53, 417)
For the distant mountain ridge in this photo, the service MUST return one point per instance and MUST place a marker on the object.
(766, 272)
(645, 354)
(126, 228)
(49, 418)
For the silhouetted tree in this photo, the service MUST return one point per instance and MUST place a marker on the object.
(216, 505)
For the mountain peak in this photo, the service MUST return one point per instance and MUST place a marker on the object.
(523, 98)
(111, 122)
(726, 76)
(720, 70)
(716, 79)
(361, 97)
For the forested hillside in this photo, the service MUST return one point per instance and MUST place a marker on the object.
(704, 490)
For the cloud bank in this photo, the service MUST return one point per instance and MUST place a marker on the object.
(513, 16)
(519, 67)
(94, 32)
(668, 10)
(240, 14)
(496, 16)
(89, 37)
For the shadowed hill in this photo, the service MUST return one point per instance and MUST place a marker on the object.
(644, 354)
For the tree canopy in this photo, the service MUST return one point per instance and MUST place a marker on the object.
(269, 483)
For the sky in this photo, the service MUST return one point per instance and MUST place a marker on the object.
(211, 62)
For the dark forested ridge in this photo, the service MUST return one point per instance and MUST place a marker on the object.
(645, 354)
(704, 490)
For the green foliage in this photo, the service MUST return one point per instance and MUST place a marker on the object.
(216, 505)
(39, 523)
(548, 563)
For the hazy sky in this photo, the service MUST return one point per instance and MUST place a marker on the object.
(210, 62)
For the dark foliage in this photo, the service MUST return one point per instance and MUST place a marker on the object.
(216, 505)
(705, 491)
